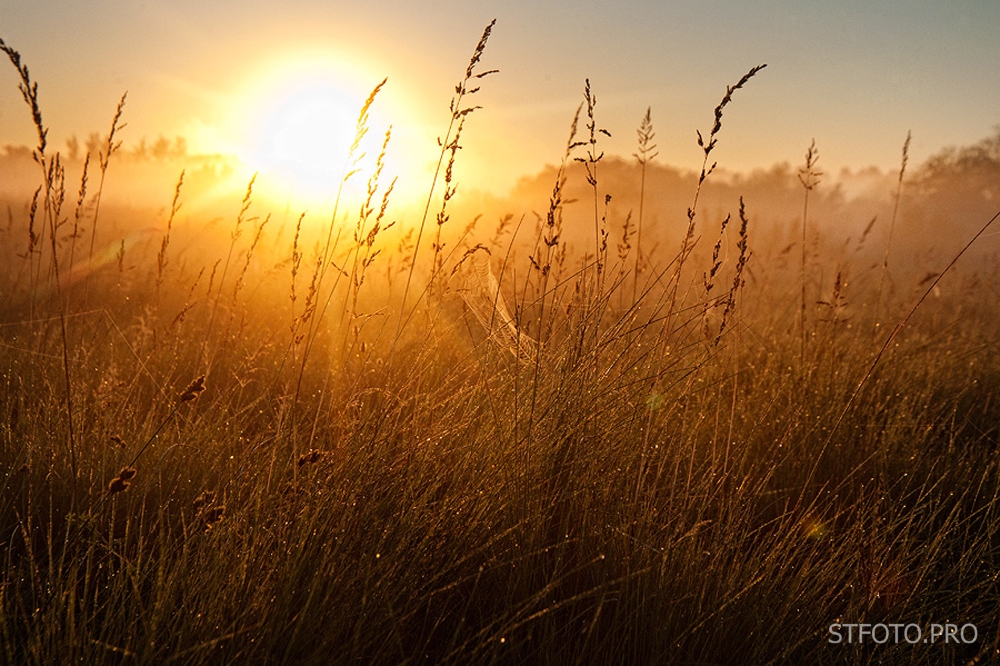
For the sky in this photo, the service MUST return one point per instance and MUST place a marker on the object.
(854, 75)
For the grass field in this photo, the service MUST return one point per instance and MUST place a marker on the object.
(579, 437)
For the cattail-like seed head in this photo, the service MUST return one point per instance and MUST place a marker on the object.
(121, 482)
(193, 390)
(311, 457)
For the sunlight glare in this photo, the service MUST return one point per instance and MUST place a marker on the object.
(300, 128)
(305, 137)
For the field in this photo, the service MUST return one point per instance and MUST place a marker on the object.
(672, 417)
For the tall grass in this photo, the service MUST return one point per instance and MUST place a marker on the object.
(591, 468)
(892, 227)
(809, 176)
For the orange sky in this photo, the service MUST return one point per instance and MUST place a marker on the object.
(856, 76)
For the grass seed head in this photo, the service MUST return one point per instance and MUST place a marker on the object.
(311, 457)
(193, 390)
(121, 482)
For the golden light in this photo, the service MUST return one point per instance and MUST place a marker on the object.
(293, 117)
(298, 122)
(306, 135)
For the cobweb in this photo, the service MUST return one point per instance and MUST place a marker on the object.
(482, 295)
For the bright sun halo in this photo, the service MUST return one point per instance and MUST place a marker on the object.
(302, 124)
(306, 131)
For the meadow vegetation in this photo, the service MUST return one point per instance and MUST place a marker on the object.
(630, 415)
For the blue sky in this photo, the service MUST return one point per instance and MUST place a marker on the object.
(856, 76)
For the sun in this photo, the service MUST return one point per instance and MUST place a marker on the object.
(298, 121)
(307, 132)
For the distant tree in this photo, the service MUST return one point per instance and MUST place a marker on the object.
(94, 144)
(73, 145)
(16, 152)
(969, 171)
(141, 151)
(958, 188)
(161, 149)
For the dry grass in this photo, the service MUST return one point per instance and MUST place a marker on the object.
(605, 459)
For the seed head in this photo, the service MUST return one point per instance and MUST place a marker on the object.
(311, 457)
(121, 482)
(213, 515)
(193, 390)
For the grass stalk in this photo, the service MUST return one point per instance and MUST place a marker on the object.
(646, 153)
(809, 177)
(449, 145)
(892, 225)
(111, 146)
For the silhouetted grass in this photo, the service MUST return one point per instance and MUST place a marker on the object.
(594, 468)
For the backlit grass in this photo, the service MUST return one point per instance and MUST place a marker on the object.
(432, 439)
